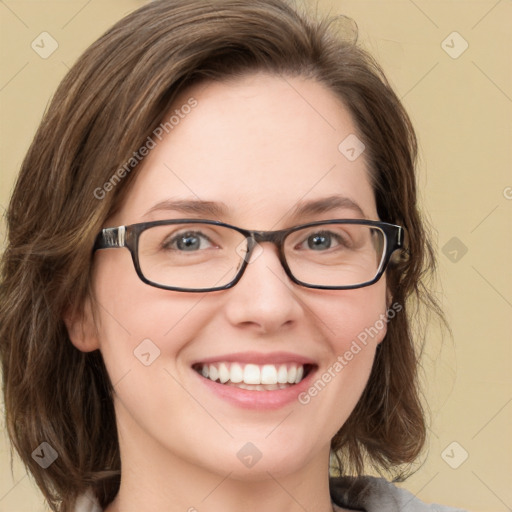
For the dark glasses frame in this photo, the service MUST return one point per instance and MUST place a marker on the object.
(128, 237)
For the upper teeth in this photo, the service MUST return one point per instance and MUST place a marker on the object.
(290, 373)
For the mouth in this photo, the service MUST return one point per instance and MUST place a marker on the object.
(254, 377)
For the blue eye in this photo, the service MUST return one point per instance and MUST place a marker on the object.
(189, 241)
(319, 241)
(322, 241)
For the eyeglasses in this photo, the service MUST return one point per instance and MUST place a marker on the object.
(193, 255)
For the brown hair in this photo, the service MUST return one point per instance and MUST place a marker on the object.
(103, 112)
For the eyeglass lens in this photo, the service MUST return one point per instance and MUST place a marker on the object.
(201, 256)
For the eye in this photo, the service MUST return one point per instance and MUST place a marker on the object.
(189, 241)
(319, 241)
(322, 240)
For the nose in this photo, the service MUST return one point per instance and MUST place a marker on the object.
(265, 299)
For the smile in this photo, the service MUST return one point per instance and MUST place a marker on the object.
(266, 377)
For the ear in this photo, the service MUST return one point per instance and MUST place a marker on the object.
(81, 327)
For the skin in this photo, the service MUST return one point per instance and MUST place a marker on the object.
(260, 144)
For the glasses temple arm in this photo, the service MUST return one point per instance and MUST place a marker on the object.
(110, 238)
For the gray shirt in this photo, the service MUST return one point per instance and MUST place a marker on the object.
(371, 494)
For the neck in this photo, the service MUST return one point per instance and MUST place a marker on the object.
(154, 478)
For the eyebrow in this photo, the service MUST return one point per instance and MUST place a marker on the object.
(217, 209)
(195, 207)
(325, 205)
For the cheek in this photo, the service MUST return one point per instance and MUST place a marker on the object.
(353, 315)
(352, 322)
(138, 323)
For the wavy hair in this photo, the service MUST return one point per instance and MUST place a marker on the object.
(108, 104)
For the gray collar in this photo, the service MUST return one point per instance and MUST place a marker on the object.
(369, 494)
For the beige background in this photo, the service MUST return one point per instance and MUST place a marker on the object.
(462, 110)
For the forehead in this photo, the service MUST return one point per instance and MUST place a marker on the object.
(259, 145)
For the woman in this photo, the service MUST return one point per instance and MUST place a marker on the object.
(214, 255)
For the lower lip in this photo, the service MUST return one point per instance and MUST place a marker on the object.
(247, 399)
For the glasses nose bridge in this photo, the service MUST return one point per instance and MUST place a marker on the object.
(274, 237)
(255, 238)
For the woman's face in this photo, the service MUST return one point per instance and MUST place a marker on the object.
(259, 150)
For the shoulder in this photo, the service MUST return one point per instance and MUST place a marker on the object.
(378, 495)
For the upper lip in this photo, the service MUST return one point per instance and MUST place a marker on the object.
(258, 358)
